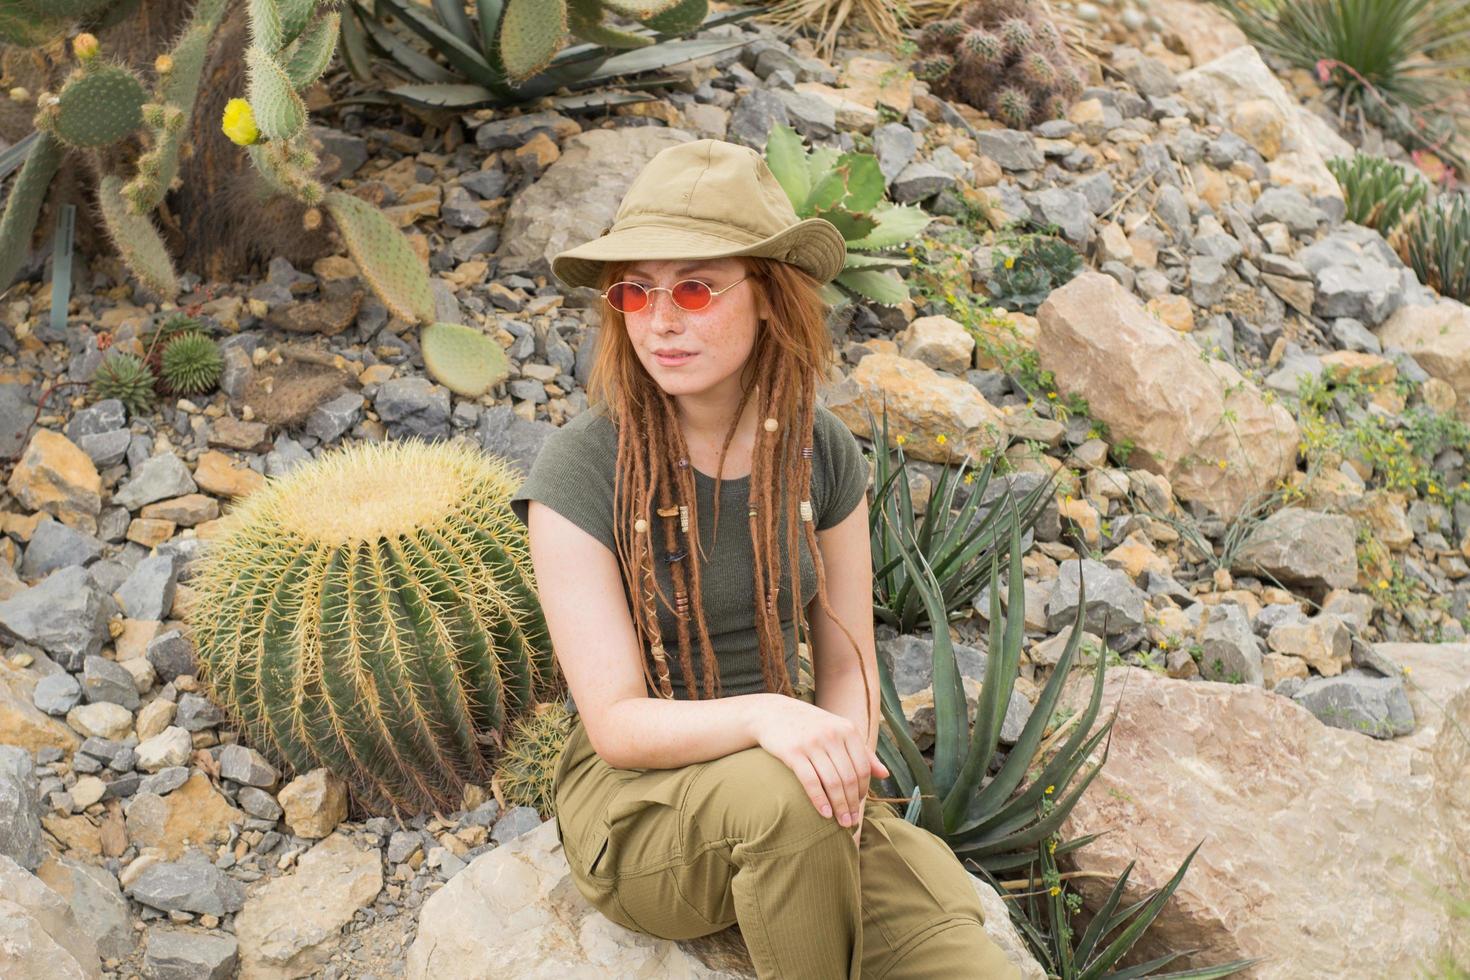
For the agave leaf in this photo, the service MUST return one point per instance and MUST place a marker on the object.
(897, 223)
(661, 56)
(413, 62)
(489, 13)
(852, 224)
(863, 180)
(786, 156)
(880, 287)
(458, 51)
(1116, 949)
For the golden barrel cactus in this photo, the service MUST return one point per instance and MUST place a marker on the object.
(374, 612)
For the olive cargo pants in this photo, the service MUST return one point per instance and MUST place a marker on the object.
(680, 853)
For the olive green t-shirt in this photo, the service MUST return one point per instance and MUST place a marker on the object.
(574, 473)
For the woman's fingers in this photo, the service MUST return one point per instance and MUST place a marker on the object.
(811, 781)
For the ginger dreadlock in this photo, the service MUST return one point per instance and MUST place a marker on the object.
(792, 351)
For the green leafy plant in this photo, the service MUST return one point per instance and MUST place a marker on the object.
(1378, 192)
(102, 112)
(1395, 60)
(847, 189)
(1004, 56)
(292, 44)
(191, 364)
(993, 823)
(125, 377)
(1437, 243)
(510, 51)
(956, 539)
(1028, 268)
(1045, 920)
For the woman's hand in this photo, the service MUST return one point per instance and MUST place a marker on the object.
(825, 751)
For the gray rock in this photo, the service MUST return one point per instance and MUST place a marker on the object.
(148, 592)
(57, 694)
(351, 151)
(56, 545)
(1209, 281)
(107, 415)
(104, 749)
(1068, 209)
(106, 680)
(1012, 149)
(1098, 190)
(1110, 594)
(810, 115)
(1276, 614)
(62, 614)
(329, 420)
(106, 448)
(460, 210)
(43, 938)
(16, 412)
(755, 116)
(895, 146)
(402, 845)
(189, 954)
(259, 804)
(1231, 651)
(247, 766)
(1350, 334)
(1173, 212)
(1359, 702)
(1150, 76)
(190, 884)
(1289, 206)
(513, 131)
(20, 809)
(920, 180)
(165, 780)
(486, 184)
(1357, 275)
(413, 406)
(503, 433)
(1302, 547)
(99, 906)
(910, 662)
(474, 243)
(197, 713)
(1226, 149)
(171, 655)
(158, 478)
(516, 821)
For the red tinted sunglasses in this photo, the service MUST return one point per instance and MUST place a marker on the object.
(688, 294)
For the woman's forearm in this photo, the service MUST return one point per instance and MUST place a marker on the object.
(842, 694)
(656, 733)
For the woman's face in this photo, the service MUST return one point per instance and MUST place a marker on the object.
(716, 340)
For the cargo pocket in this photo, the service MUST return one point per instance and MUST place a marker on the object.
(640, 825)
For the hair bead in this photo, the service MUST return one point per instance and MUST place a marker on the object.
(640, 525)
(806, 510)
(683, 462)
(669, 511)
(806, 452)
(751, 513)
(772, 425)
(684, 518)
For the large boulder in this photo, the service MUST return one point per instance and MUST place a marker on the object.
(1240, 76)
(40, 937)
(1439, 338)
(1151, 386)
(515, 909)
(1325, 852)
(578, 195)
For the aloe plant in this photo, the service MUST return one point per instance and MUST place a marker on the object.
(1437, 245)
(510, 51)
(1378, 192)
(847, 189)
(994, 823)
(957, 545)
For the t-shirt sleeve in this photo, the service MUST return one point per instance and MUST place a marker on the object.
(846, 471)
(568, 476)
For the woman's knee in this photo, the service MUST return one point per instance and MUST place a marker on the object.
(754, 794)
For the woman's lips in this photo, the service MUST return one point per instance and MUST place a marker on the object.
(668, 361)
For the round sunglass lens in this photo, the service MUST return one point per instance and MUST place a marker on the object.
(692, 294)
(627, 297)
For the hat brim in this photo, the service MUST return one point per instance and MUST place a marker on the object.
(814, 245)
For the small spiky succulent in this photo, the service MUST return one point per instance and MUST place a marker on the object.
(191, 364)
(1003, 56)
(528, 761)
(125, 377)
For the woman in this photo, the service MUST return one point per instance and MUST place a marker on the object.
(699, 788)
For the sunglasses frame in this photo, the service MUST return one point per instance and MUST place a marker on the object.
(650, 290)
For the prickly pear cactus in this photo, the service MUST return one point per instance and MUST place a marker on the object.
(1004, 56)
(374, 612)
(528, 760)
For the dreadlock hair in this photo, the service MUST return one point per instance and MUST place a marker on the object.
(792, 351)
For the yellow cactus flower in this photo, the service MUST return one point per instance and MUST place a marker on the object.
(239, 123)
(1050, 790)
(163, 64)
(85, 47)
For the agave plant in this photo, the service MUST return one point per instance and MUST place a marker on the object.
(956, 545)
(847, 189)
(1437, 245)
(1045, 922)
(506, 53)
(994, 823)
(1378, 192)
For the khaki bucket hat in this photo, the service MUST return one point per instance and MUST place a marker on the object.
(706, 199)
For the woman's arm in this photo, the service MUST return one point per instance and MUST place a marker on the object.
(847, 560)
(592, 632)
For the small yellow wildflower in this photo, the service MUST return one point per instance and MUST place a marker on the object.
(969, 478)
(1221, 464)
(1055, 890)
(941, 438)
(1164, 644)
(1051, 394)
(1383, 583)
(1010, 262)
(1050, 790)
(1051, 846)
(239, 123)
(901, 439)
(1433, 488)
(1408, 670)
